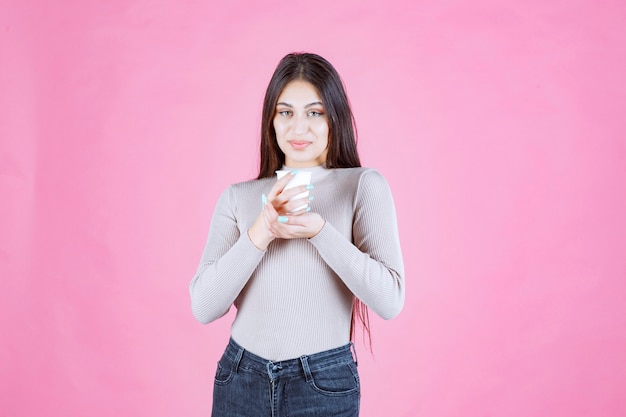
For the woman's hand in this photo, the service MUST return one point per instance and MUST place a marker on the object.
(301, 225)
(284, 218)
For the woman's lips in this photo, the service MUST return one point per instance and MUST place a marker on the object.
(299, 144)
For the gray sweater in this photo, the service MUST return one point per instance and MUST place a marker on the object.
(295, 298)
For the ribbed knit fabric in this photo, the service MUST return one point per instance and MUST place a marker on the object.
(296, 297)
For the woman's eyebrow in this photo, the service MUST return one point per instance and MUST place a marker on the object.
(316, 103)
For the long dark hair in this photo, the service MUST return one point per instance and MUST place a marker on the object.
(342, 138)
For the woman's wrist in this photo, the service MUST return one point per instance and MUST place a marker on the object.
(319, 229)
(258, 238)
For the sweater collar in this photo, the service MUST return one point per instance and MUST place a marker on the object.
(317, 172)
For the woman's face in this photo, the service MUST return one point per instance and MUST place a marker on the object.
(301, 125)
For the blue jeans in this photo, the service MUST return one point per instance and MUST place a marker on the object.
(324, 384)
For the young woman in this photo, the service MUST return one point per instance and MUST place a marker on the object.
(299, 270)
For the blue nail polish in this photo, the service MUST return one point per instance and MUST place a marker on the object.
(309, 186)
(282, 219)
(311, 198)
(294, 172)
(264, 199)
(308, 209)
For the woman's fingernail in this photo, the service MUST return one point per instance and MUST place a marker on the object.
(264, 199)
(308, 209)
(309, 186)
(311, 198)
(282, 219)
(294, 172)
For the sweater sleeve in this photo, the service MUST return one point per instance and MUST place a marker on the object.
(371, 267)
(228, 260)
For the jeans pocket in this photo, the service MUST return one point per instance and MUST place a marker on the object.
(336, 380)
(224, 372)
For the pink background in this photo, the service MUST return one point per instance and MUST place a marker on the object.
(499, 125)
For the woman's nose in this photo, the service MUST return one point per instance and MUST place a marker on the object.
(302, 125)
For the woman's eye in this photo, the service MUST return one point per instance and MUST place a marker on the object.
(314, 113)
(285, 113)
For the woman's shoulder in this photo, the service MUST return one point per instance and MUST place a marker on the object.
(364, 181)
(253, 187)
(360, 174)
(356, 171)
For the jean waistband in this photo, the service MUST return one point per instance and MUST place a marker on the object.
(309, 363)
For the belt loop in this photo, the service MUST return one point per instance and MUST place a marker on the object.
(238, 358)
(269, 371)
(305, 367)
(353, 349)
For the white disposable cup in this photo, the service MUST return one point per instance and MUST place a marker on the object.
(301, 178)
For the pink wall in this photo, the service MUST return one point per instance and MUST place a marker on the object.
(499, 125)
